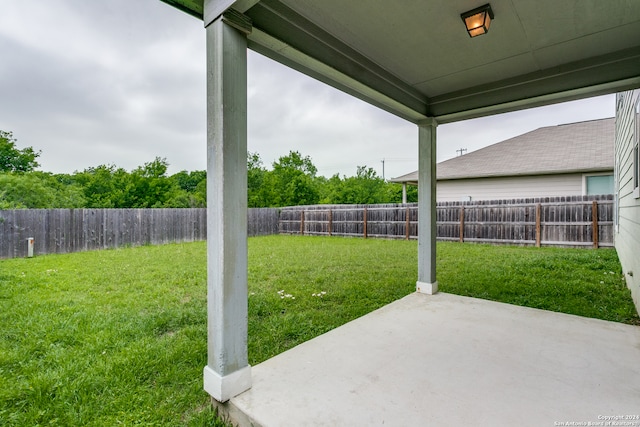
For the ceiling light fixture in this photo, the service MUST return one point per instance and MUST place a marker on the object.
(478, 20)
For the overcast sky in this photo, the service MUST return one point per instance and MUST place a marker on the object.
(122, 82)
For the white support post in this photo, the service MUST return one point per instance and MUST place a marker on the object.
(427, 207)
(404, 192)
(227, 373)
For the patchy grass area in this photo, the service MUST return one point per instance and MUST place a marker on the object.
(583, 282)
(333, 281)
(104, 338)
(118, 337)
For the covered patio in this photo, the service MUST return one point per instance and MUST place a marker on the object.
(414, 59)
(448, 360)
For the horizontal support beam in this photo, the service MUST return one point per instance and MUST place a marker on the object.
(582, 79)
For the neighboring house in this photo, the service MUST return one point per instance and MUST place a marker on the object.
(565, 160)
(627, 219)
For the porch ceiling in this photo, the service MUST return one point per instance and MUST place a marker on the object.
(415, 59)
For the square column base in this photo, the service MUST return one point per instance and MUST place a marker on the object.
(427, 288)
(224, 388)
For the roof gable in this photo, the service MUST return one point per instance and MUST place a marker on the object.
(575, 147)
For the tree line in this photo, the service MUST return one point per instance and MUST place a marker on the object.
(292, 180)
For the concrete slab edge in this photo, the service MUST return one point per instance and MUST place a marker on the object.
(231, 414)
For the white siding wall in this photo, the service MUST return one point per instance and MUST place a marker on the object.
(627, 238)
(510, 187)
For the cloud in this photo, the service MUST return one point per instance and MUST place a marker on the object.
(89, 84)
(290, 111)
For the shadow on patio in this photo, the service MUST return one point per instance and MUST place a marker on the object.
(447, 360)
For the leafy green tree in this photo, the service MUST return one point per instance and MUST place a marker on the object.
(295, 162)
(190, 191)
(330, 189)
(13, 159)
(20, 191)
(292, 181)
(188, 181)
(38, 190)
(67, 194)
(104, 186)
(5, 205)
(394, 193)
(199, 195)
(151, 187)
(148, 186)
(258, 193)
(364, 188)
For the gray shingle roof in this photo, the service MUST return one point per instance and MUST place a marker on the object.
(574, 147)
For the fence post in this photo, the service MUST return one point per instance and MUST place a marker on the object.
(461, 224)
(30, 241)
(538, 226)
(330, 221)
(594, 219)
(408, 226)
(302, 222)
(365, 223)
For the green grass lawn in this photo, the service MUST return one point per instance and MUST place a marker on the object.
(118, 337)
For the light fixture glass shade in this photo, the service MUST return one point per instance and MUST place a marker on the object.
(478, 20)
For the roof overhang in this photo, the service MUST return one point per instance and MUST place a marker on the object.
(412, 178)
(415, 60)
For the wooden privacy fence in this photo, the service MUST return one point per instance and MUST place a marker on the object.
(564, 221)
(73, 230)
(386, 221)
(578, 221)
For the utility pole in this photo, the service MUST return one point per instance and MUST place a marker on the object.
(383, 169)
(461, 151)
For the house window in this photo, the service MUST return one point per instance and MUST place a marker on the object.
(636, 151)
(598, 184)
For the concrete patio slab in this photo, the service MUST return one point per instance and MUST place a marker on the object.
(446, 360)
